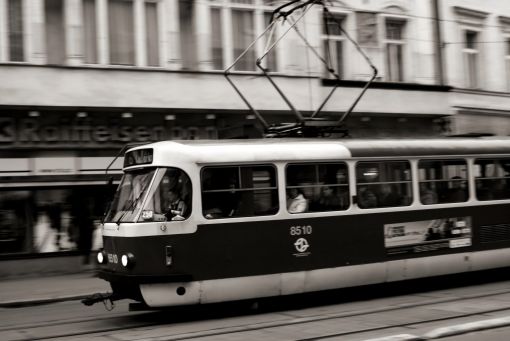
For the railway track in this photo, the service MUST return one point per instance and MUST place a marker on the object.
(347, 320)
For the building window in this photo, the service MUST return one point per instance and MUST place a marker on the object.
(270, 59)
(89, 32)
(121, 32)
(217, 38)
(471, 56)
(334, 44)
(394, 44)
(243, 34)
(187, 35)
(245, 20)
(55, 32)
(15, 27)
(152, 36)
(239, 191)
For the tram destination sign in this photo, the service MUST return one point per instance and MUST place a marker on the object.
(139, 157)
(427, 235)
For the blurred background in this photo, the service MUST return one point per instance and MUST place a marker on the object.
(82, 78)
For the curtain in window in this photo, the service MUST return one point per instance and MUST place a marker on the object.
(243, 35)
(121, 32)
(15, 17)
(89, 32)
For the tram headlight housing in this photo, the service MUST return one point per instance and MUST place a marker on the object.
(101, 257)
(127, 260)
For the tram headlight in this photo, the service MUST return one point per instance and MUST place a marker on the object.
(101, 257)
(127, 260)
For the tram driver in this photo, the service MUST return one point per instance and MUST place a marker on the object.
(177, 207)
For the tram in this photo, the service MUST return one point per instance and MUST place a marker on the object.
(196, 222)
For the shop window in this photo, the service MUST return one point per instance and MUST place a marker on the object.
(16, 221)
(55, 32)
(383, 184)
(89, 32)
(317, 187)
(492, 179)
(394, 43)
(193, 133)
(334, 42)
(121, 32)
(52, 220)
(239, 191)
(15, 27)
(442, 181)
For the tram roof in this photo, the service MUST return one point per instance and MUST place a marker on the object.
(217, 151)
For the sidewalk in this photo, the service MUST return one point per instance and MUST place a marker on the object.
(49, 289)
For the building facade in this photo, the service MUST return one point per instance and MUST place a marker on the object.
(82, 78)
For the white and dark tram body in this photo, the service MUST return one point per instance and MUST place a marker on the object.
(249, 245)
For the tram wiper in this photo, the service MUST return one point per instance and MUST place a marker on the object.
(131, 207)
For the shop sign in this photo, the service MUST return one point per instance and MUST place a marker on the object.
(7, 131)
(32, 132)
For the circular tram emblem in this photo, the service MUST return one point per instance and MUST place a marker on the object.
(301, 245)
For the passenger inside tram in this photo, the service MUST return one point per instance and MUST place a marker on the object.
(457, 191)
(366, 198)
(296, 202)
(328, 200)
(388, 197)
(427, 195)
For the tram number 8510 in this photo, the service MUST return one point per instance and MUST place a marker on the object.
(300, 230)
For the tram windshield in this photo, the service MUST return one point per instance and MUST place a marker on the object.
(129, 196)
(168, 199)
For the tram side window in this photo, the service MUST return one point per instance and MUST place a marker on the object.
(443, 181)
(317, 187)
(171, 197)
(383, 184)
(239, 191)
(492, 179)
